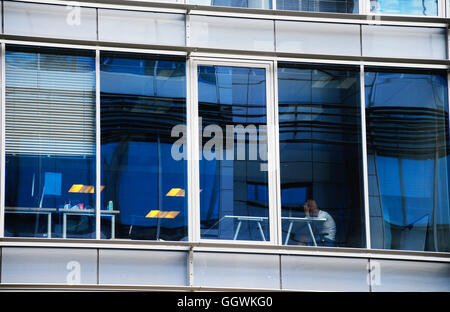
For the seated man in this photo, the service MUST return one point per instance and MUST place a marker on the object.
(324, 231)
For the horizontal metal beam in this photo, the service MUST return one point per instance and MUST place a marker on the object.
(216, 52)
(61, 287)
(226, 247)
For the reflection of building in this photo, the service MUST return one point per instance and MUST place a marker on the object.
(117, 154)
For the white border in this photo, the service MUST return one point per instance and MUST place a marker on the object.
(195, 186)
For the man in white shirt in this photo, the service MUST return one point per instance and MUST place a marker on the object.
(324, 231)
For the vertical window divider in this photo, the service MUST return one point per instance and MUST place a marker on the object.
(192, 152)
(364, 159)
(442, 8)
(276, 148)
(3, 135)
(97, 146)
(363, 6)
(272, 156)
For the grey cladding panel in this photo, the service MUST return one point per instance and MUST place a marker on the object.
(142, 267)
(310, 273)
(49, 265)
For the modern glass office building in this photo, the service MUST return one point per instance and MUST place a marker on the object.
(225, 145)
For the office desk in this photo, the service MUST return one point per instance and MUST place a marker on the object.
(308, 221)
(47, 211)
(65, 212)
(88, 212)
(258, 221)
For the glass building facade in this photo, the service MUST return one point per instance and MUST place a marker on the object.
(294, 135)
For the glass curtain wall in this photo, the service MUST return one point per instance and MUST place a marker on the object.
(233, 160)
(408, 7)
(408, 159)
(320, 156)
(256, 4)
(50, 143)
(143, 99)
(336, 6)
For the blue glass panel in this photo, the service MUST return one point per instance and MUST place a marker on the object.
(50, 143)
(336, 6)
(233, 165)
(145, 187)
(410, 7)
(320, 156)
(407, 138)
(257, 4)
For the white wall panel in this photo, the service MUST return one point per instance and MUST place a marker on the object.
(55, 21)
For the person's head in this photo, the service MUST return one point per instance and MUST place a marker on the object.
(311, 208)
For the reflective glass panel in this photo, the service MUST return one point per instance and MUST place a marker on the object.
(320, 156)
(145, 186)
(410, 7)
(256, 4)
(336, 6)
(233, 165)
(408, 160)
(50, 143)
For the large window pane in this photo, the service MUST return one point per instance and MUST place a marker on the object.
(142, 99)
(320, 156)
(256, 4)
(233, 165)
(337, 6)
(50, 143)
(407, 139)
(412, 7)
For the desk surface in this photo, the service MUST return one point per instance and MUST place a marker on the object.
(294, 219)
(303, 219)
(63, 210)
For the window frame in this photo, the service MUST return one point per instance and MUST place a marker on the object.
(193, 157)
(365, 9)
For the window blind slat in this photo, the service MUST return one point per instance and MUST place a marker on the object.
(50, 104)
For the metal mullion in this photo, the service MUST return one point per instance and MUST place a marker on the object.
(364, 159)
(442, 8)
(363, 7)
(192, 152)
(276, 133)
(272, 155)
(3, 136)
(97, 147)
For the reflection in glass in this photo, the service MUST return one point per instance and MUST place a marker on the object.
(412, 7)
(50, 143)
(320, 156)
(336, 6)
(233, 165)
(145, 187)
(408, 160)
(256, 4)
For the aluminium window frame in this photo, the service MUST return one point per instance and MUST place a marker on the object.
(365, 9)
(193, 156)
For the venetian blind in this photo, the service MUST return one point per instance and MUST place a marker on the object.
(50, 104)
